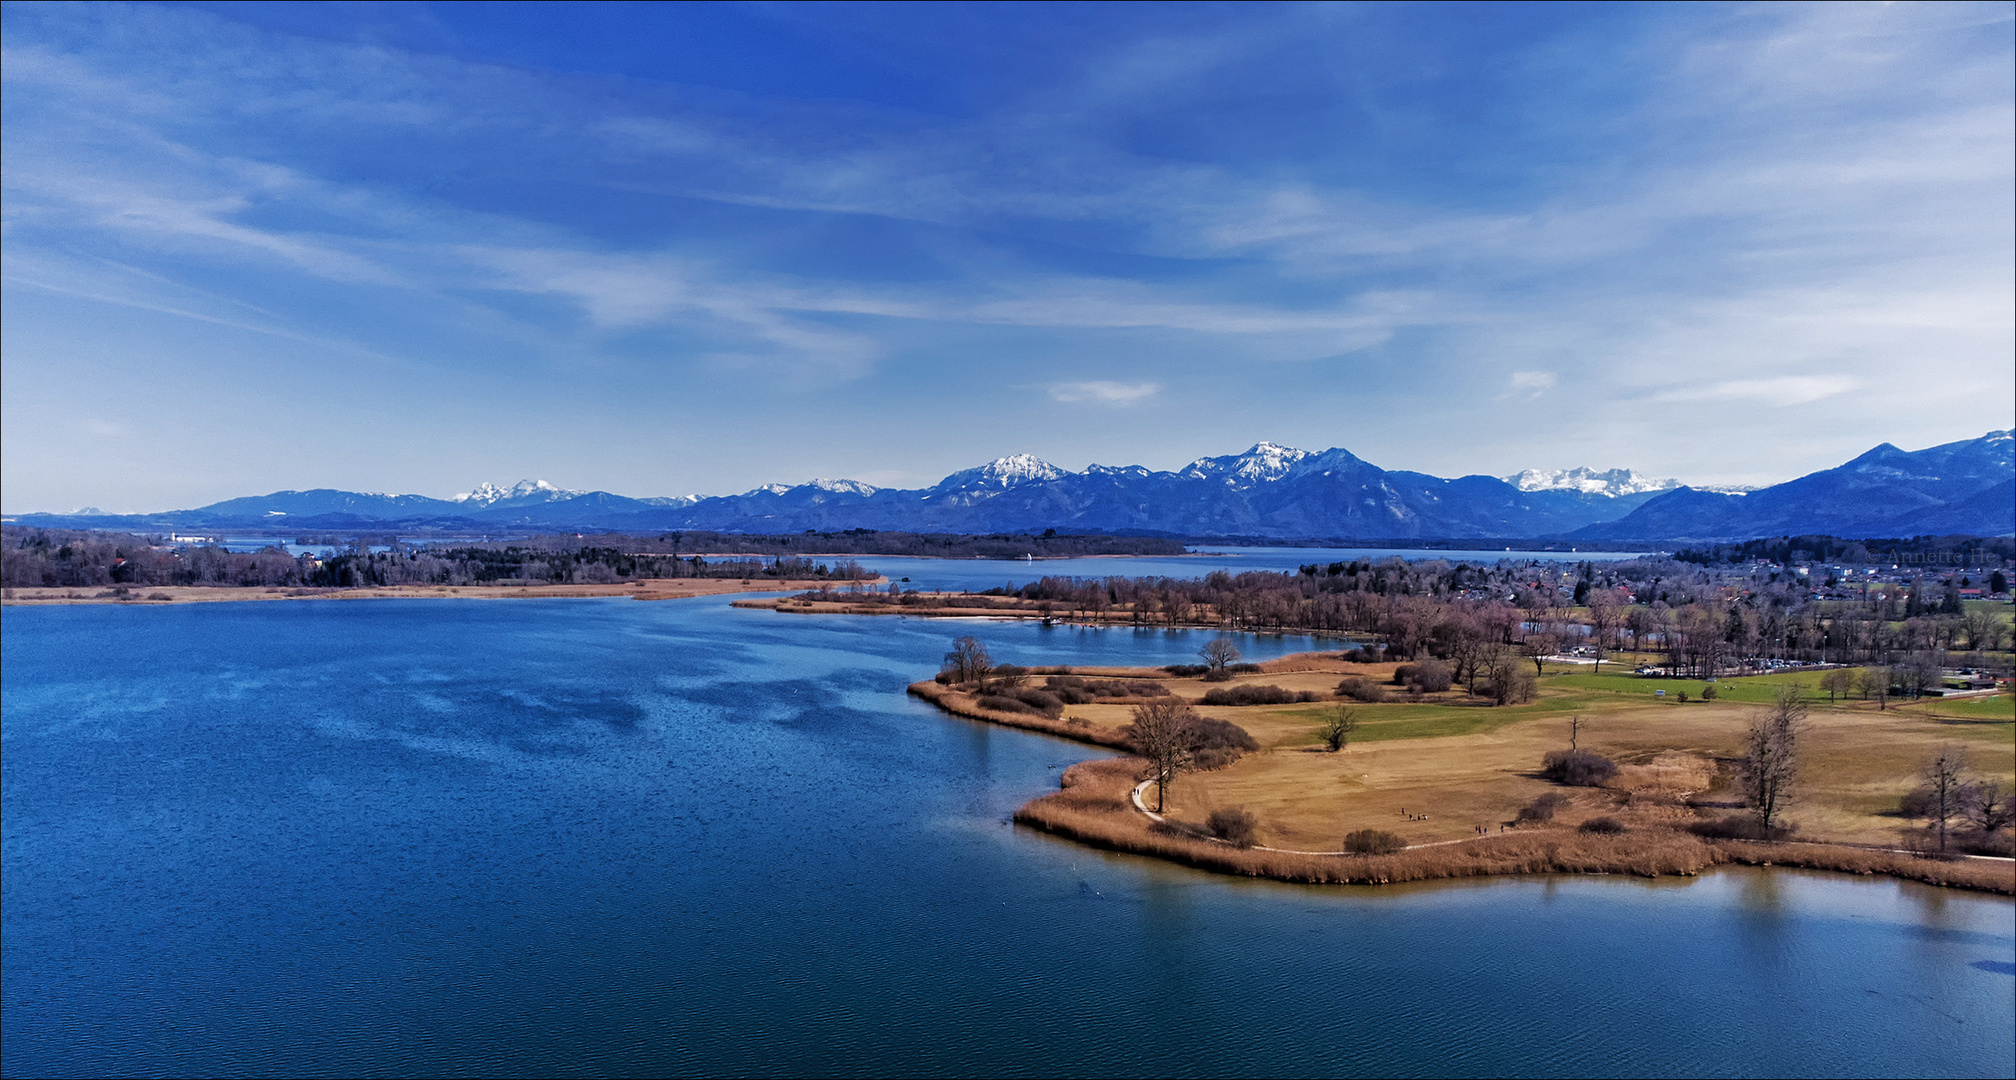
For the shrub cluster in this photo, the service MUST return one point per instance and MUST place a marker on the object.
(1234, 826)
(1023, 699)
(1578, 768)
(1191, 671)
(1077, 690)
(1602, 826)
(1256, 695)
(1359, 688)
(1373, 842)
(1219, 743)
(1431, 676)
(1543, 808)
(1737, 827)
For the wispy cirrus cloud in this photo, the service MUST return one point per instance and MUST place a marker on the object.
(1529, 384)
(1103, 392)
(1780, 391)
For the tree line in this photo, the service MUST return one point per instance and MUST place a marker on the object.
(46, 558)
(1703, 622)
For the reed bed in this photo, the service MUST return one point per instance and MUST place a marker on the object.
(963, 704)
(1985, 875)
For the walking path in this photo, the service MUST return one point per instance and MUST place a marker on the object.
(1142, 805)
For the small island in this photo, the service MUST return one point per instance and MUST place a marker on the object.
(1323, 767)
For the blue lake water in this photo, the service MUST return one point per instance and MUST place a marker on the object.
(594, 837)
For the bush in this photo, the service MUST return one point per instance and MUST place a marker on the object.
(1122, 688)
(1359, 688)
(1242, 669)
(1432, 676)
(1736, 827)
(1219, 743)
(1513, 688)
(2000, 843)
(1218, 675)
(1373, 842)
(1177, 829)
(1543, 808)
(1041, 700)
(1007, 675)
(1076, 690)
(1007, 704)
(1256, 695)
(1071, 695)
(1707, 693)
(1578, 768)
(1185, 671)
(1234, 826)
(1602, 826)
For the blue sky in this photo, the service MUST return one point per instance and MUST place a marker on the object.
(661, 249)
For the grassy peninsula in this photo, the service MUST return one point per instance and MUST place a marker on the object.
(1460, 781)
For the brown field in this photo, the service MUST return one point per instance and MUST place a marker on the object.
(1093, 807)
(647, 589)
(1453, 772)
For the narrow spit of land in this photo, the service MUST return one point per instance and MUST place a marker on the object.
(1449, 775)
(642, 589)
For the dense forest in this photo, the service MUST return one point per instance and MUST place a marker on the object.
(1048, 544)
(34, 557)
(66, 559)
(1044, 545)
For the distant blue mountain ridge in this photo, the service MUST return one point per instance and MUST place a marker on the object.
(1269, 491)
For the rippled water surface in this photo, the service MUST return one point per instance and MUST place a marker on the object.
(591, 837)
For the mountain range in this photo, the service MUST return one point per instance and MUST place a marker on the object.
(1269, 491)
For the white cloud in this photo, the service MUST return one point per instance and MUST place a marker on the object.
(1103, 392)
(1781, 391)
(1528, 384)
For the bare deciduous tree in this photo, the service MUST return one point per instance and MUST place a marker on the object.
(1836, 683)
(1338, 724)
(1164, 733)
(1939, 800)
(1538, 646)
(1986, 804)
(1771, 762)
(1508, 683)
(1603, 619)
(1219, 652)
(968, 661)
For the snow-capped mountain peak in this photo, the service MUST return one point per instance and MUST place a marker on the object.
(844, 487)
(1004, 473)
(487, 494)
(1609, 483)
(1266, 461)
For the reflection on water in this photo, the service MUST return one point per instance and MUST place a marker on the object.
(605, 837)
